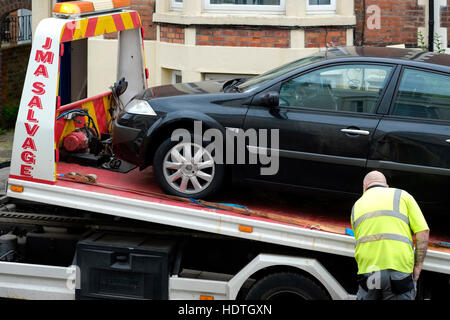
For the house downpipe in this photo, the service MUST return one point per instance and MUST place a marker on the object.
(431, 26)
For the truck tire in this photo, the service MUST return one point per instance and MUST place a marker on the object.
(286, 286)
(196, 178)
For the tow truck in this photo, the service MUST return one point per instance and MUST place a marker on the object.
(76, 223)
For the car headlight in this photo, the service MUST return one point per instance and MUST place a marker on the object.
(140, 107)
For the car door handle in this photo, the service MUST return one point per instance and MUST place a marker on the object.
(356, 131)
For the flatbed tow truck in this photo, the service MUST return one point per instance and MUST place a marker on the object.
(73, 229)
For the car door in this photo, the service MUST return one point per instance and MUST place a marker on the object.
(326, 118)
(412, 144)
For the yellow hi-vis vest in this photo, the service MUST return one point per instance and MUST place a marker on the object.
(383, 220)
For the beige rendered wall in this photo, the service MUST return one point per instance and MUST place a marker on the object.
(41, 9)
(191, 60)
(295, 15)
(194, 61)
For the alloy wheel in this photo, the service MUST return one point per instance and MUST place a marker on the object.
(188, 168)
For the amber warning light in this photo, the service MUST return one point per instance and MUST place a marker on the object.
(16, 188)
(83, 7)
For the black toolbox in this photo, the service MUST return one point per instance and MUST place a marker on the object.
(118, 266)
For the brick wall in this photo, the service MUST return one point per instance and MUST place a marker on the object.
(13, 69)
(145, 8)
(400, 20)
(171, 33)
(7, 6)
(319, 37)
(243, 37)
(445, 20)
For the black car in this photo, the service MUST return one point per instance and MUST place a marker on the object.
(339, 114)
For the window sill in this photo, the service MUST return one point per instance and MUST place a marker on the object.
(255, 19)
(321, 12)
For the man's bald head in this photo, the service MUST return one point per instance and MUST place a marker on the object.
(374, 178)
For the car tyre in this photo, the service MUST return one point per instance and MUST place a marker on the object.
(181, 171)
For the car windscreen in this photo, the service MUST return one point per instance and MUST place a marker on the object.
(257, 81)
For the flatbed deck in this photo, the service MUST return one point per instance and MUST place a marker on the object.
(136, 195)
(142, 185)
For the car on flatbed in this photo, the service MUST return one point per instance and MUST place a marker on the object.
(339, 114)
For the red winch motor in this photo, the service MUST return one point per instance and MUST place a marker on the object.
(75, 141)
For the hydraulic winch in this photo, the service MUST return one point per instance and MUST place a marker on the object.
(87, 142)
(76, 141)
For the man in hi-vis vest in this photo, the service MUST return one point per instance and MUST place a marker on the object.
(383, 221)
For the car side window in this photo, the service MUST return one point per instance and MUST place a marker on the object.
(351, 88)
(423, 94)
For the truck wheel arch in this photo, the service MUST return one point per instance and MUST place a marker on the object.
(271, 264)
(282, 285)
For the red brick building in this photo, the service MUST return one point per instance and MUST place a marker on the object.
(211, 39)
(192, 40)
(13, 55)
(295, 26)
(400, 22)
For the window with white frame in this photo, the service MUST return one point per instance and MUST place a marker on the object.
(320, 6)
(176, 76)
(176, 4)
(245, 6)
(24, 26)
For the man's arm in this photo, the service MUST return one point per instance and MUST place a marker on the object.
(420, 252)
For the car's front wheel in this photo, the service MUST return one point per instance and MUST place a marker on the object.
(187, 169)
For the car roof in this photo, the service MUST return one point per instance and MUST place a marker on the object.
(405, 56)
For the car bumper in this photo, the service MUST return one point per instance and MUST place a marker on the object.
(127, 143)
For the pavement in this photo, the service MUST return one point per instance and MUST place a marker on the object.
(4, 173)
(6, 143)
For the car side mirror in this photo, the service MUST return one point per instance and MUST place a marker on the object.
(267, 99)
